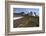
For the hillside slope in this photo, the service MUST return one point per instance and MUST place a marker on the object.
(27, 21)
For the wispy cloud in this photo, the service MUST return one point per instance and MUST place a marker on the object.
(25, 10)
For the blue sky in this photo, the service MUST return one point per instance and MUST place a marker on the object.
(26, 10)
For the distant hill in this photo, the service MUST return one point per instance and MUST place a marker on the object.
(23, 14)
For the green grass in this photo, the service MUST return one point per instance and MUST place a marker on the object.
(27, 21)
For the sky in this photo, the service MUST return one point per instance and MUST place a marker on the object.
(26, 10)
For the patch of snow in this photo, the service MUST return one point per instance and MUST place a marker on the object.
(15, 18)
